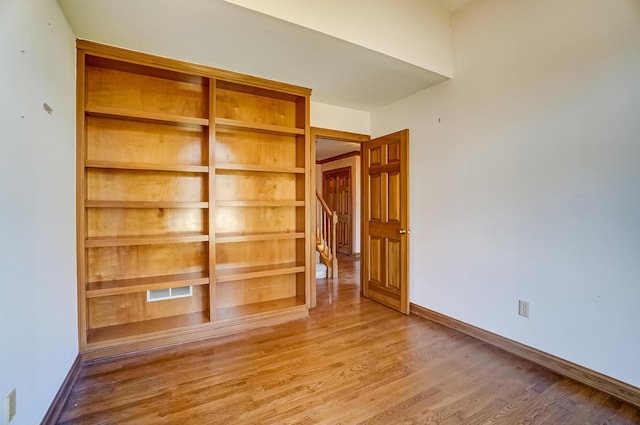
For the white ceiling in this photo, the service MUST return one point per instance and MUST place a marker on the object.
(223, 35)
(326, 148)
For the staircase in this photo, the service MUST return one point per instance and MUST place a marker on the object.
(326, 248)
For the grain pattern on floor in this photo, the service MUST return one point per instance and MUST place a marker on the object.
(352, 362)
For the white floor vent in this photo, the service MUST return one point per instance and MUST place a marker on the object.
(169, 293)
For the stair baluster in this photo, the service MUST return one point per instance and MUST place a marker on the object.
(326, 240)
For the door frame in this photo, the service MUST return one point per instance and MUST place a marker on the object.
(342, 136)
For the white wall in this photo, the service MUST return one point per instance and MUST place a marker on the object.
(415, 31)
(529, 187)
(354, 163)
(37, 219)
(339, 118)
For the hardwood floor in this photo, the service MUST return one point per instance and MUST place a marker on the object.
(352, 362)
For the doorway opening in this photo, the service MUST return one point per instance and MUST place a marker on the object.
(384, 216)
(337, 179)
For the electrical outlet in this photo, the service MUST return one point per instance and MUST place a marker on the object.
(523, 308)
(10, 406)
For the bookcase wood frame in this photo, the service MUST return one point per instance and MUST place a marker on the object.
(149, 213)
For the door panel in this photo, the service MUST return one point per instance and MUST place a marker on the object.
(385, 256)
(375, 156)
(393, 269)
(375, 207)
(375, 265)
(394, 152)
(394, 197)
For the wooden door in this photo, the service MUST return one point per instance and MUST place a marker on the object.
(337, 194)
(385, 247)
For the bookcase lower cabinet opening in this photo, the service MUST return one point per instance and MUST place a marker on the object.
(192, 202)
(129, 315)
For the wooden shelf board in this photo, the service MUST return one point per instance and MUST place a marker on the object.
(141, 284)
(145, 240)
(242, 237)
(247, 125)
(144, 204)
(157, 117)
(240, 273)
(109, 333)
(226, 313)
(147, 167)
(224, 203)
(260, 168)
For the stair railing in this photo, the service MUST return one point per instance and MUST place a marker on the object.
(326, 240)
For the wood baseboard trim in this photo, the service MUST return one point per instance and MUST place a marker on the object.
(612, 386)
(55, 409)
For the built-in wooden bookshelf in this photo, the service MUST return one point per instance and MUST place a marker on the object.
(193, 177)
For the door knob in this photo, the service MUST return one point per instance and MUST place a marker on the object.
(405, 232)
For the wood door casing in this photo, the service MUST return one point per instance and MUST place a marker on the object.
(337, 194)
(385, 247)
